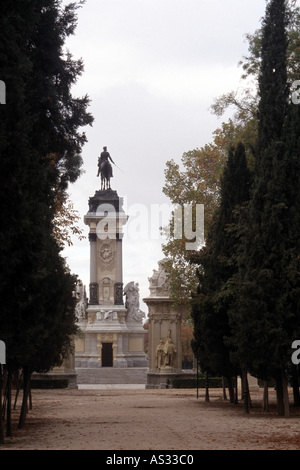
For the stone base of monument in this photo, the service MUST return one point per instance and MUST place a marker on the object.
(111, 349)
(112, 376)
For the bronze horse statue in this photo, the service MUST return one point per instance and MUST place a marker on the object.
(105, 169)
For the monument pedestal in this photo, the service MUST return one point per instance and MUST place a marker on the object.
(113, 334)
(165, 352)
(110, 340)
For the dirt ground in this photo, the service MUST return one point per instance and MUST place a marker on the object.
(150, 420)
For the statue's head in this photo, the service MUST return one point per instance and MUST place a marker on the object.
(105, 148)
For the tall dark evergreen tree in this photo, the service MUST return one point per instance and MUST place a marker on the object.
(40, 146)
(290, 293)
(273, 86)
(264, 325)
(217, 265)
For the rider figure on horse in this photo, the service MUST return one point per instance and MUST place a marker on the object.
(105, 168)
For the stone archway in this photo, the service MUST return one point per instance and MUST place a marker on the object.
(107, 338)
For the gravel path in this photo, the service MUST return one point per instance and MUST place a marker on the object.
(170, 420)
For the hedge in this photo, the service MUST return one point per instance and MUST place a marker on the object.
(49, 383)
(213, 382)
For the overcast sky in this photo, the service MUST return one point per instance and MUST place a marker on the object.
(152, 70)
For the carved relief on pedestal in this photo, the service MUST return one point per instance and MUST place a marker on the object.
(162, 310)
(122, 317)
(91, 316)
(106, 255)
(107, 315)
(106, 291)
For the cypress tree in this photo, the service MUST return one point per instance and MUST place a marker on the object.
(217, 266)
(288, 302)
(272, 81)
(263, 333)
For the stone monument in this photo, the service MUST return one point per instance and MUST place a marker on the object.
(165, 353)
(113, 335)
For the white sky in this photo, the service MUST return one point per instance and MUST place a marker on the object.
(152, 70)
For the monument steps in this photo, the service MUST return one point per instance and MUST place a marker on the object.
(112, 375)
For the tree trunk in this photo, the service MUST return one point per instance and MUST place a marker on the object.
(206, 388)
(26, 387)
(279, 396)
(19, 378)
(245, 391)
(8, 396)
(286, 404)
(265, 406)
(29, 396)
(236, 398)
(1, 419)
(283, 408)
(230, 389)
(224, 389)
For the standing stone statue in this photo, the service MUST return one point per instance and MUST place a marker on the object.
(132, 303)
(165, 352)
(169, 351)
(159, 282)
(81, 305)
(160, 354)
(105, 168)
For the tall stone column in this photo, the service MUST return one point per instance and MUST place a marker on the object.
(119, 270)
(113, 332)
(93, 299)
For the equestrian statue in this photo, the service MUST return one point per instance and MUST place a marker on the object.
(105, 168)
